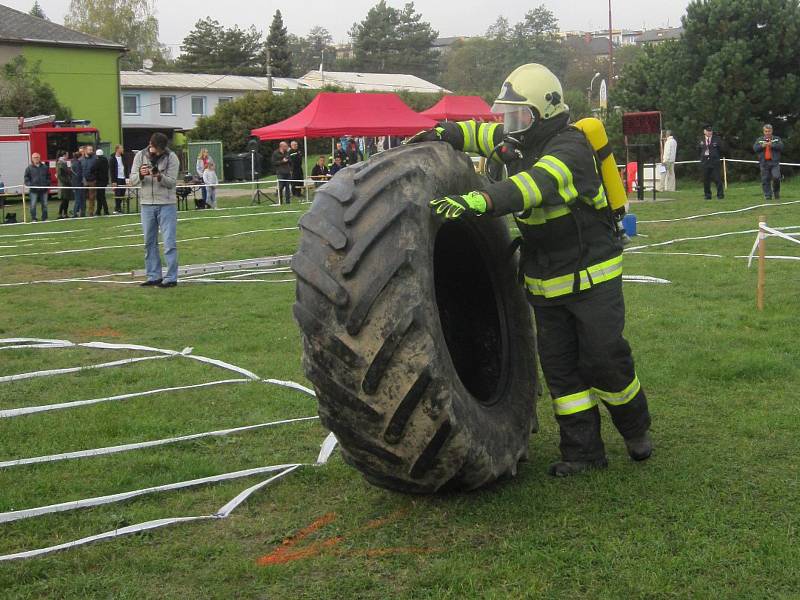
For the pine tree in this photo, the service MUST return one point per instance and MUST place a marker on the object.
(211, 48)
(734, 67)
(278, 47)
(36, 11)
(394, 41)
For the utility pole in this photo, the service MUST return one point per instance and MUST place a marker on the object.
(269, 71)
(610, 49)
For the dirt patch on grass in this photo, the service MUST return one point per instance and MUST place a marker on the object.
(102, 332)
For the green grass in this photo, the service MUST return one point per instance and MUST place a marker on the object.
(712, 514)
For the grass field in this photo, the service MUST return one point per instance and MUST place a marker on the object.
(711, 515)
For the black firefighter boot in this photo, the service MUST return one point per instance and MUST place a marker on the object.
(640, 447)
(581, 445)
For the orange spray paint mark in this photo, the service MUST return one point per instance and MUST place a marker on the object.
(286, 552)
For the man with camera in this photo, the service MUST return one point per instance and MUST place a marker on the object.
(155, 169)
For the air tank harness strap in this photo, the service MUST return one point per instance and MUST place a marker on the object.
(518, 243)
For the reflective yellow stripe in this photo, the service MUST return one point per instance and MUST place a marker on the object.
(542, 214)
(531, 194)
(560, 286)
(470, 131)
(561, 173)
(600, 201)
(620, 398)
(574, 403)
(486, 138)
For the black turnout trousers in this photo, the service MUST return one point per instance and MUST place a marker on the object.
(712, 173)
(581, 348)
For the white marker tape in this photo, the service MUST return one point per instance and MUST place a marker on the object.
(29, 410)
(645, 279)
(198, 280)
(721, 212)
(678, 254)
(327, 449)
(222, 513)
(16, 515)
(148, 444)
(51, 372)
(700, 237)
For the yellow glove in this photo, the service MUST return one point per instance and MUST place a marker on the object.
(453, 207)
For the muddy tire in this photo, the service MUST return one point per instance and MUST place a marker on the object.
(416, 335)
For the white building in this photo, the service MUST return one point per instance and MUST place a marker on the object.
(370, 82)
(170, 102)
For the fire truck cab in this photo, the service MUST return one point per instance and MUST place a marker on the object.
(43, 134)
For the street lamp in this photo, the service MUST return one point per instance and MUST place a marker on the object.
(591, 85)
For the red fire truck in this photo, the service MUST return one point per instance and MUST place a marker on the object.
(20, 137)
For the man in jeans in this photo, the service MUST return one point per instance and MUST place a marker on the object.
(37, 175)
(155, 169)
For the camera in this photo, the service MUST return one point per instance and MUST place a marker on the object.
(153, 170)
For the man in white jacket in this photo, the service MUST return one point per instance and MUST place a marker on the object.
(668, 160)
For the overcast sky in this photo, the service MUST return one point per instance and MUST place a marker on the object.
(448, 17)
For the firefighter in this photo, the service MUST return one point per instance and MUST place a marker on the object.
(768, 148)
(571, 260)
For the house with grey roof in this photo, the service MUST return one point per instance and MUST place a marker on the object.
(82, 69)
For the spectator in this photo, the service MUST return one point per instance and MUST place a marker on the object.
(203, 159)
(118, 173)
(769, 148)
(296, 158)
(354, 155)
(340, 152)
(337, 166)
(283, 169)
(79, 193)
(211, 181)
(155, 169)
(711, 152)
(89, 178)
(320, 173)
(37, 175)
(64, 177)
(101, 178)
(667, 180)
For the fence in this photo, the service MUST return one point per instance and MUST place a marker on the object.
(256, 188)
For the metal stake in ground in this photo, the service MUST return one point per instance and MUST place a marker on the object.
(762, 262)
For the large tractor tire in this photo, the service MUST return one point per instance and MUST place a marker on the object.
(416, 334)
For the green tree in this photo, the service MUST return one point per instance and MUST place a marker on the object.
(131, 23)
(395, 41)
(479, 65)
(735, 67)
(278, 47)
(23, 93)
(307, 52)
(213, 48)
(37, 11)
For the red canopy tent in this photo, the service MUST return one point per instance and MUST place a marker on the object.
(332, 115)
(460, 108)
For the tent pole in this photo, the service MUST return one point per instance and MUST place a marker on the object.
(305, 164)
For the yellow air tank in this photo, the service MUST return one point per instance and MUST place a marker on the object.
(595, 132)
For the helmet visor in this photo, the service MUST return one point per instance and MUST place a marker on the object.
(516, 118)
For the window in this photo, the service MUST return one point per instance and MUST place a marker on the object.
(130, 104)
(225, 99)
(198, 106)
(167, 104)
